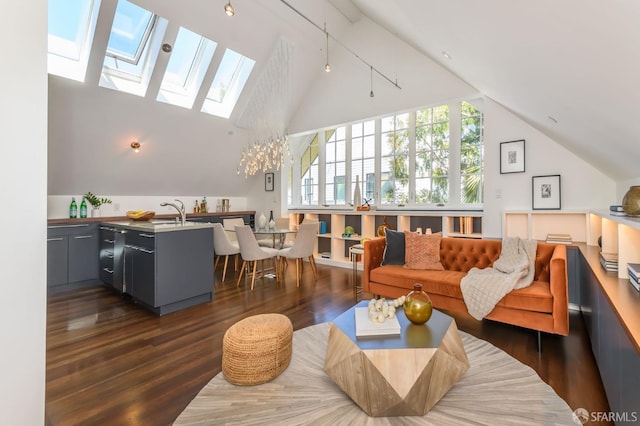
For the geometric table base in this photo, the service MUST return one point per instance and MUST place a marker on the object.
(397, 381)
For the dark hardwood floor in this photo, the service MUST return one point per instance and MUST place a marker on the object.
(111, 362)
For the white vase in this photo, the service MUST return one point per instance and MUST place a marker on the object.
(95, 212)
(272, 224)
(357, 197)
(262, 221)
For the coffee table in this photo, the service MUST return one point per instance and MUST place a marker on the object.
(401, 375)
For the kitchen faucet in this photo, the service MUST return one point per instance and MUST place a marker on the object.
(181, 211)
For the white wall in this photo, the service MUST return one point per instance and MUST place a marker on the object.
(23, 170)
(342, 95)
(582, 186)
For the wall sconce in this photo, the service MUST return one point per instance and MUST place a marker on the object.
(228, 9)
(135, 146)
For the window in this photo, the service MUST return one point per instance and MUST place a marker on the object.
(228, 83)
(134, 43)
(432, 155)
(310, 171)
(71, 29)
(394, 183)
(363, 155)
(428, 157)
(471, 154)
(187, 66)
(335, 166)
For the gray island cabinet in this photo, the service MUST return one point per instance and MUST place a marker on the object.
(167, 267)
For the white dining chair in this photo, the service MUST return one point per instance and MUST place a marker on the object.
(229, 225)
(303, 247)
(252, 252)
(223, 246)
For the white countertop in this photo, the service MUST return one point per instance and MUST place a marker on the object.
(159, 225)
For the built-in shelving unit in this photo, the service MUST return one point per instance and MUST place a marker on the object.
(333, 248)
(620, 235)
(536, 224)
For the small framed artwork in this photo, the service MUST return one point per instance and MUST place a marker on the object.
(546, 192)
(268, 181)
(512, 157)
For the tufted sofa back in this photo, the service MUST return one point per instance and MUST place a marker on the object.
(462, 254)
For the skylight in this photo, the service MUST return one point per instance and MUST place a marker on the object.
(187, 66)
(71, 29)
(228, 83)
(134, 43)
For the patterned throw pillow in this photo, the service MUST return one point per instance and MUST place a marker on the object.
(422, 251)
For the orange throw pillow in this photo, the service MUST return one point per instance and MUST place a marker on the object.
(422, 251)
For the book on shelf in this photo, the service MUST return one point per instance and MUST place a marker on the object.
(466, 224)
(634, 270)
(612, 213)
(634, 282)
(616, 208)
(558, 239)
(609, 261)
(367, 327)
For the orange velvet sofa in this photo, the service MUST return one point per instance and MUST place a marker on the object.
(543, 306)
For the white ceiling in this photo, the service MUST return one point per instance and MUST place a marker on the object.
(577, 61)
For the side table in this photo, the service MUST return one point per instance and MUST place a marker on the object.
(354, 251)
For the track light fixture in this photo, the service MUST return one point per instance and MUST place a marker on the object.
(371, 93)
(135, 145)
(228, 9)
(327, 67)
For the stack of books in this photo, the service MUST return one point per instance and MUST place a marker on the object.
(466, 225)
(616, 210)
(634, 271)
(609, 261)
(558, 239)
(367, 327)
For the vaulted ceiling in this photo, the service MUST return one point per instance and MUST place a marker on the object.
(569, 68)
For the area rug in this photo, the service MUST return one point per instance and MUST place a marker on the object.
(496, 390)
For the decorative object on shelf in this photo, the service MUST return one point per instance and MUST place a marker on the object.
(545, 192)
(268, 181)
(348, 232)
(512, 157)
(262, 221)
(272, 222)
(96, 202)
(357, 198)
(383, 227)
(417, 306)
(631, 201)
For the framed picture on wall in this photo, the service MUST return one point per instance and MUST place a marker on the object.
(512, 157)
(546, 192)
(268, 181)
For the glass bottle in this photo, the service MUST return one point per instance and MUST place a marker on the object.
(83, 208)
(196, 208)
(417, 306)
(203, 206)
(73, 209)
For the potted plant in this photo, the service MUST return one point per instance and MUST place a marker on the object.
(96, 202)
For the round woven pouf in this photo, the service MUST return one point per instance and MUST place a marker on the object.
(256, 349)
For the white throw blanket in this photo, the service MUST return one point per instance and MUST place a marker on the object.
(482, 289)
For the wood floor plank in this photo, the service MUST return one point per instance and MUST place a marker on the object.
(109, 361)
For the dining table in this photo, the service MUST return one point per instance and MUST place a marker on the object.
(280, 233)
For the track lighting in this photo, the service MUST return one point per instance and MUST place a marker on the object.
(228, 9)
(135, 145)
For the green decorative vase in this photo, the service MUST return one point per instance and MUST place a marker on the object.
(631, 201)
(417, 306)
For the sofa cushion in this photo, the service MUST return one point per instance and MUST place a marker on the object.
(422, 251)
(394, 248)
(537, 297)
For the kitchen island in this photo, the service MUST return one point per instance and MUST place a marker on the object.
(163, 265)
